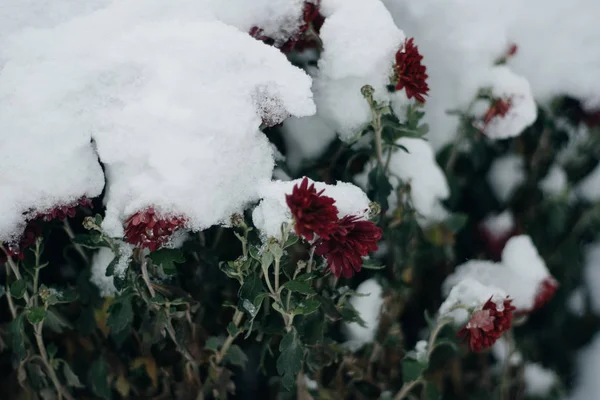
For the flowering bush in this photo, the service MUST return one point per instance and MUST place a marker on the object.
(295, 199)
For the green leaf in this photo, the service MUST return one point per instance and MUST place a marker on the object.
(456, 221)
(18, 337)
(92, 240)
(292, 240)
(302, 287)
(232, 329)
(56, 322)
(289, 362)
(71, 378)
(99, 379)
(51, 349)
(236, 356)
(306, 307)
(18, 288)
(36, 315)
(120, 314)
(110, 270)
(254, 253)
(412, 369)
(213, 343)
(167, 258)
(252, 294)
(432, 392)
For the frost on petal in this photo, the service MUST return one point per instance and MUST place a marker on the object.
(356, 52)
(369, 309)
(100, 262)
(506, 174)
(273, 210)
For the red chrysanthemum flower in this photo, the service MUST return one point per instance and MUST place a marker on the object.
(487, 325)
(312, 21)
(64, 211)
(545, 292)
(498, 109)
(146, 229)
(353, 239)
(312, 212)
(410, 74)
(33, 230)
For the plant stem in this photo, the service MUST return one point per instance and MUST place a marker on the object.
(36, 274)
(505, 385)
(146, 277)
(44, 354)
(277, 262)
(69, 231)
(15, 270)
(406, 388)
(436, 331)
(11, 304)
(237, 318)
(377, 129)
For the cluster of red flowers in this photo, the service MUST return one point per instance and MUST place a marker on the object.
(487, 325)
(498, 109)
(145, 229)
(312, 21)
(33, 230)
(409, 73)
(342, 241)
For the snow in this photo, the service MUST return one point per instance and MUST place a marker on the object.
(462, 39)
(500, 350)
(555, 182)
(505, 84)
(589, 187)
(519, 274)
(421, 351)
(356, 52)
(167, 105)
(418, 167)
(273, 210)
(576, 302)
(305, 139)
(539, 381)
(369, 309)
(499, 225)
(469, 294)
(587, 384)
(506, 174)
(591, 275)
(100, 261)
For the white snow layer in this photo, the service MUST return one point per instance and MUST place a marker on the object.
(468, 293)
(555, 182)
(506, 174)
(499, 225)
(418, 167)
(273, 210)
(539, 381)
(519, 274)
(173, 112)
(357, 52)
(587, 384)
(100, 261)
(591, 275)
(589, 187)
(461, 39)
(369, 309)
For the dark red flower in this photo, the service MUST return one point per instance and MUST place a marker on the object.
(545, 292)
(146, 229)
(487, 325)
(512, 50)
(410, 73)
(498, 109)
(33, 230)
(64, 211)
(312, 212)
(353, 239)
(303, 38)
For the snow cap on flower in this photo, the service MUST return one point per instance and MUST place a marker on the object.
(495, 230)
(352, 239)
(273, 210)
(511, 108)
(409, 72)
(469, 294)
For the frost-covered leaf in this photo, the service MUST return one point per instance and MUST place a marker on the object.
(289, 362)
(236, 356)
(299, 286)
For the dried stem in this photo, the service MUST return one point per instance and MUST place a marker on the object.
(60, 390)
(146, 277)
